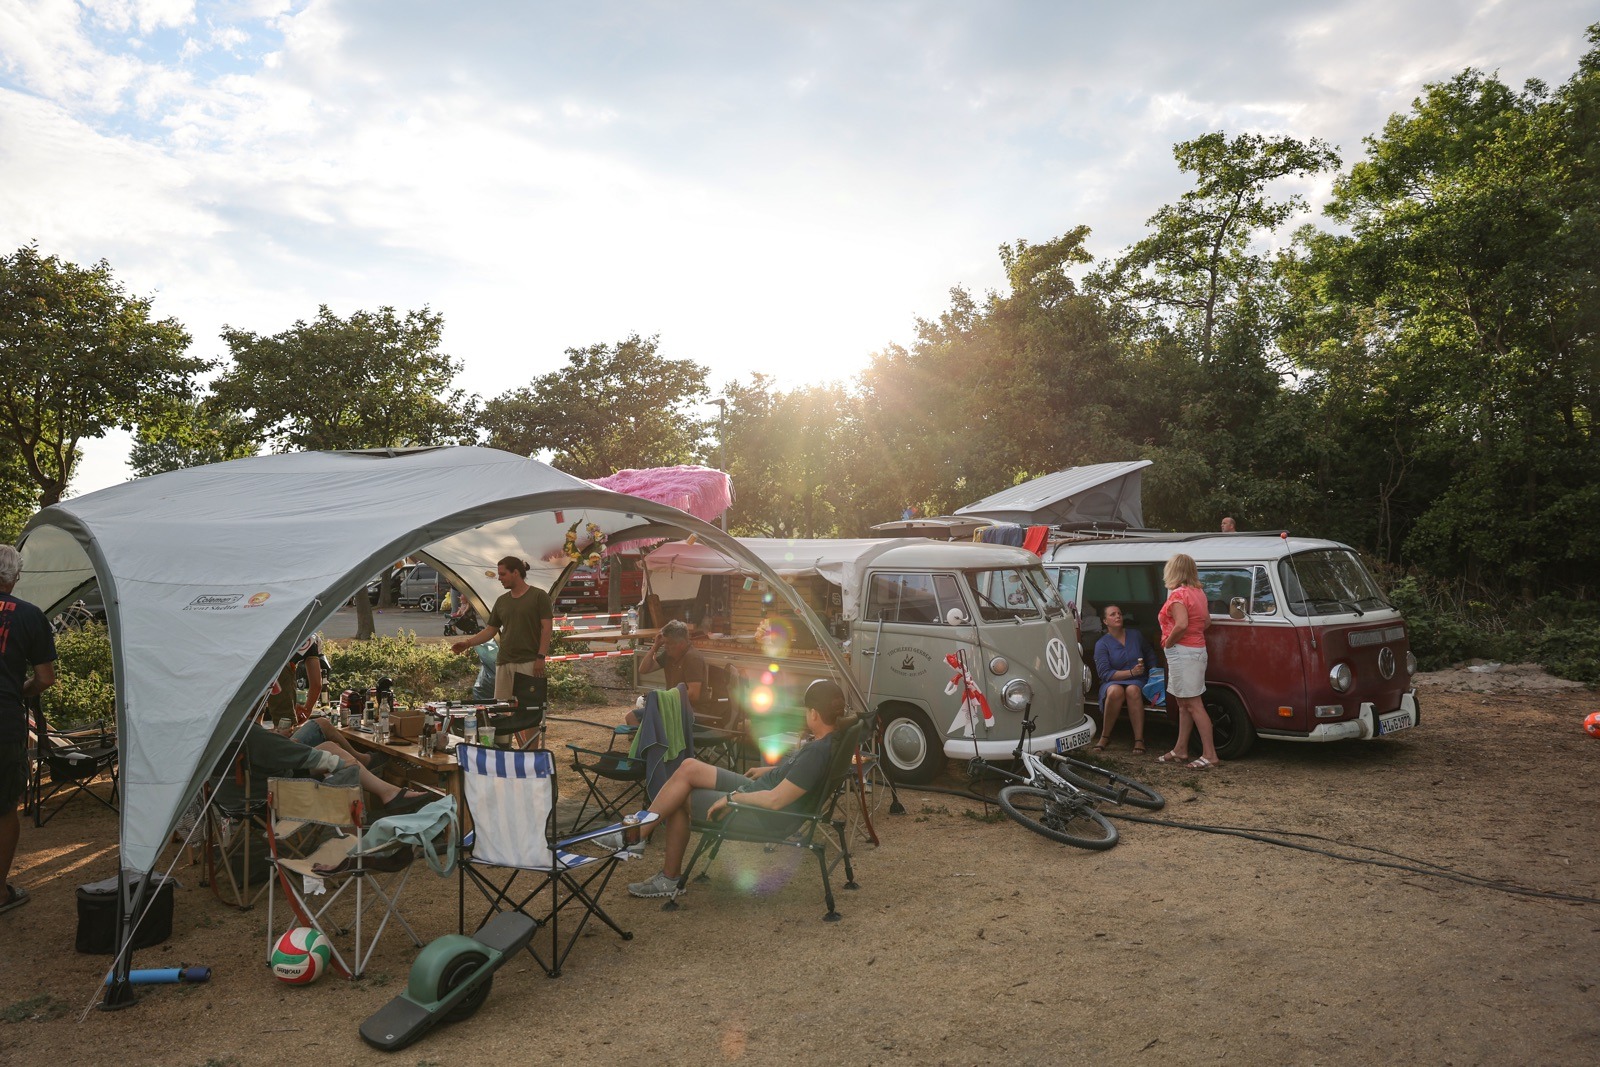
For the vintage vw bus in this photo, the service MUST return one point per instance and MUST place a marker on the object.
(1302, 645)
(900, 608)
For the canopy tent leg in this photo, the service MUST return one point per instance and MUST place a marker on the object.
(119, 988)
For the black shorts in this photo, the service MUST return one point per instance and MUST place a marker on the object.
(13, 773)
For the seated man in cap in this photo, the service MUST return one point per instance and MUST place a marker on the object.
(701, 791)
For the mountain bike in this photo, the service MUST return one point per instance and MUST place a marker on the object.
(1061, 806)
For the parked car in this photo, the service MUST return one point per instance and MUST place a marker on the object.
(588, 589)
(1302, 644)
(413, 585)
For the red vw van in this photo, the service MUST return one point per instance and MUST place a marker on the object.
(1302, 645)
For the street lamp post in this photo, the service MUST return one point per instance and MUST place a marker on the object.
(722, 448)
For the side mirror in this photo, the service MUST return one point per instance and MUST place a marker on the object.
(1236, 609)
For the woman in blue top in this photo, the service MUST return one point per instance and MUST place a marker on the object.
(1120, 657)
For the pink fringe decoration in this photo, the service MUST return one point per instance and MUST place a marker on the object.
(703, 492)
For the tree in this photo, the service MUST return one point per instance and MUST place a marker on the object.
(1199, 260)
(81, 357)
(374, 380)
(791, 458)
(611, 407)
(1450, 332)
(189, 433)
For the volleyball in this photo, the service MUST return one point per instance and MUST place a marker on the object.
(300, 956)
(1591, 725)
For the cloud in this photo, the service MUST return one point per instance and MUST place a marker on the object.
(782, 187)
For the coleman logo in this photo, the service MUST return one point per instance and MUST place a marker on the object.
(214, 602)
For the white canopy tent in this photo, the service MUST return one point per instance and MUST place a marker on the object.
(214, 575)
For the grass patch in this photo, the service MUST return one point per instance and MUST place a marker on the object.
(39, 1009)
(991, 815)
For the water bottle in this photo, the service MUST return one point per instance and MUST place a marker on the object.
(470, 730)
(630, 620)
(383, 724)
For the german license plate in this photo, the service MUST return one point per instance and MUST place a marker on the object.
(1396, 721)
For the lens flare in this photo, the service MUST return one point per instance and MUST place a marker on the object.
(772, 749)
(761, 699)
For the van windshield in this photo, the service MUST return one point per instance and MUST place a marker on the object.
(1328, 581)
(1006, 594)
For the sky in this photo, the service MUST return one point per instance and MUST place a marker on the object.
(778, 187)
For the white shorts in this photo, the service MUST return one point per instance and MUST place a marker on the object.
(1186, 671)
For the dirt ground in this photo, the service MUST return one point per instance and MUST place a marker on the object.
(971, 940)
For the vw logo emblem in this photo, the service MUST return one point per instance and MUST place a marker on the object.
(1386, 662)
(1056, 658)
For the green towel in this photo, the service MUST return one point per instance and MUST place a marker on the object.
(671, 725)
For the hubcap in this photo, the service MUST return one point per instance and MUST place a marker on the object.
(904, 744)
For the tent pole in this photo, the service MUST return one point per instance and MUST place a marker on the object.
(119, 989)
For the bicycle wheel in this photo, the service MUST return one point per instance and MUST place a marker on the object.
(1058, 815)
(1105, 782)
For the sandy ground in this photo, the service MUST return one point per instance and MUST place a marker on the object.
(971, 940)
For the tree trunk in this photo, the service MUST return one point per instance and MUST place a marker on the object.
(364, 624)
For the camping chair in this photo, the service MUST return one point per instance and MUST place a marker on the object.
(634, 775)
(235, 845)
(530, 693)
(719, 723)
(512, 799)
(807, 829)
(66, 763)
(366, 878)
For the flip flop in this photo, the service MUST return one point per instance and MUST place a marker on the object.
(16, 899)
(1203, 764)
(1100, 746)
(1171, 757)
(404, 805)
(1138, 747)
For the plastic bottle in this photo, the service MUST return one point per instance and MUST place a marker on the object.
(630, 620)
(383, 724)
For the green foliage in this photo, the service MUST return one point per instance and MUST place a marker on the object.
(1449, 624)
(189, 433)
(84, 693)
(39, 1009)
(374, 380)
(428, 670)
(611, 407)
(81, 357)
(791, 455)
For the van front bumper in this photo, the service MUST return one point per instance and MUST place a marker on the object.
(1065, 741)
(1367, 725)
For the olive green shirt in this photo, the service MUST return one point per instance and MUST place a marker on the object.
(520, 621)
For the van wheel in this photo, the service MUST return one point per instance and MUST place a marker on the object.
(913, 753)
(1231, 728)
(429, 602)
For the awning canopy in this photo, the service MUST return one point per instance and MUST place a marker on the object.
(213, 576)
(1101, 493)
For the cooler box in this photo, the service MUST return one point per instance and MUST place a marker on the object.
(97, 916)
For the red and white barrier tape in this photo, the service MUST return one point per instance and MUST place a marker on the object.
(603, 615)
(588, 655)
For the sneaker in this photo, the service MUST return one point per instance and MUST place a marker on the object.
(659, 886)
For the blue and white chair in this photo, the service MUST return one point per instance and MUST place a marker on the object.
(511, 796)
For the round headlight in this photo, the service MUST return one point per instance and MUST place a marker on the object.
(999, 665)
(1017, 695)
(1340, 678)
(1411, 663)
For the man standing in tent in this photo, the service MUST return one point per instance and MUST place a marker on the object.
(25, 644)
(521, 620)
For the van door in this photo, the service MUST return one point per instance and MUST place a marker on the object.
(911, 618)
(1257, 659)
(1135, 588)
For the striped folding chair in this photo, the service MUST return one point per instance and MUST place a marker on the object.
(512, 798)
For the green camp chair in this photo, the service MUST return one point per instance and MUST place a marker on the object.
(809, 829)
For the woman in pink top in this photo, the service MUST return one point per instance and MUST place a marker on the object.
(1183, 636)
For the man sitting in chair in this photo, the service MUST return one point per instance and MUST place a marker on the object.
(672, 654)
(700, 791)
(271, 754)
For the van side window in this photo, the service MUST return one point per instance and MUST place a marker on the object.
(1066, 579)
(1222, 584)
(914, 598)
(1263, 601)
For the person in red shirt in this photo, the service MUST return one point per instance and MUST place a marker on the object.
(1183, 637)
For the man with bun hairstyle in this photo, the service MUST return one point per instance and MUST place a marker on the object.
(521, 620)
(700, 791)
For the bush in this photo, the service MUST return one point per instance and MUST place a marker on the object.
(1449, 624)
(84, 693)
(430, 671)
